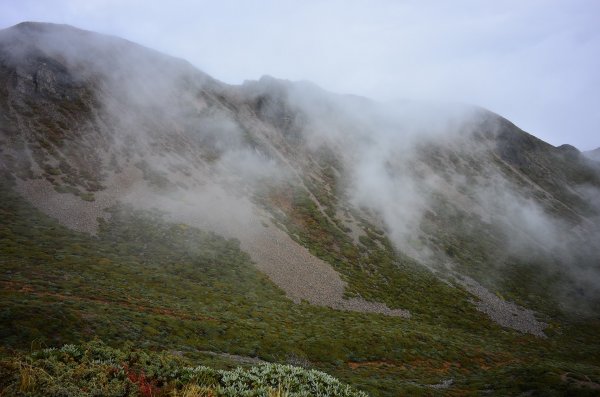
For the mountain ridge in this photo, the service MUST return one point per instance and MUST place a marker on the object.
(282, 115)
(411, 216)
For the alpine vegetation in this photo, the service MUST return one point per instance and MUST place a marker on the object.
(271, 237)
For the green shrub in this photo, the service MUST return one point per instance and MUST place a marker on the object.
(94, 369)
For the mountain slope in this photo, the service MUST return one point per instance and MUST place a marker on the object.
(426, 229)
(593, 154)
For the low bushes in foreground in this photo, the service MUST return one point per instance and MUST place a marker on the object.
(95, 369)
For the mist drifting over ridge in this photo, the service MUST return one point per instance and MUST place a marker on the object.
(405, 247)
(434, 176)
(531, 62)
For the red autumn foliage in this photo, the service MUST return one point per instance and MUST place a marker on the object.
(146, 387)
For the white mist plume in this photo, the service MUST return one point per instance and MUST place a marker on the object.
(400, 158)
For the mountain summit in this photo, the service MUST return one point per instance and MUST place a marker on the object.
(417, 221)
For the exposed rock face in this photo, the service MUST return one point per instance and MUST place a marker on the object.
(89, 121)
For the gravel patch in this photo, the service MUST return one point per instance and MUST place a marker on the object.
(303, 276)
(70, 210)
(67, 208)
(505, 313)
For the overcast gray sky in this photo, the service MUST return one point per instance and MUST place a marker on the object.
(535, 62)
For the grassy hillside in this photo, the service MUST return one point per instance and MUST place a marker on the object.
(158, 286)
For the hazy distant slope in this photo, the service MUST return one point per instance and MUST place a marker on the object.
(593, 154)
